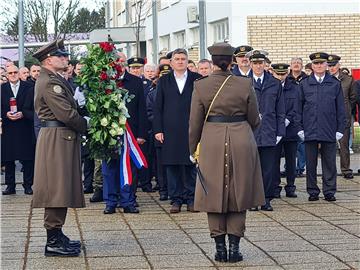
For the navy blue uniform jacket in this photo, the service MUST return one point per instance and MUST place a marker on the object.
(291, 91)
(136, 107)
(171, 117)
(322, 108)
(272, 109)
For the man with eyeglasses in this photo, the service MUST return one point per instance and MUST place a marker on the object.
(322, 112)
(18, 139)
(349, 92)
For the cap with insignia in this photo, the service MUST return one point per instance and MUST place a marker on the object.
(257, 55)
(169, 55)
(221, 48)
(280, 69)
(136, 62)
(267, 60)
(333, 59)
(164, 69)
(242, 50)
(55, 48)
(318, 57)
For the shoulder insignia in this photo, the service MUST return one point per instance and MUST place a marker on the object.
(203, 77)
(57, 89)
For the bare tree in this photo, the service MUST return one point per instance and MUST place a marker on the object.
(37, 15)
(141, 9)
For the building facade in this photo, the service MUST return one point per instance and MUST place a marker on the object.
(285, 28)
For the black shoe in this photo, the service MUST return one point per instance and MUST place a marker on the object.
(131, 210)
(28, 191)
(283, 174)
(88, 190)
(56, 245)
(148, 190)
(330, 198)
(234, 253)
(267, 207)
(277, 196)
(97, 196)
(163, 197)
(291, 195)
(254, 209)
(300, 174)
(71, 243)
(156, 188)
(9, 191)
(109, 210)
(221, 252)
(348, 176)
(313, 198)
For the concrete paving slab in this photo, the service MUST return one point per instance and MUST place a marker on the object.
(316, 266)
(128, 262)
(11, 264)
(174, 249)
(285, 246)
(55, 263)
(119, 250)
(296, 257)
(173, 261)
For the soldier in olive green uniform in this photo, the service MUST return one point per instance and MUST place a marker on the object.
(57, 179)
(229, 160)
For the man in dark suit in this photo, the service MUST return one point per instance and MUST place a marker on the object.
(171, 125)
(111, 169)
(18, 139)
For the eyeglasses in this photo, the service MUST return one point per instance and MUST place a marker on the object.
(13, 72)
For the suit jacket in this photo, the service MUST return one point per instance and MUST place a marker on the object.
(18, 139)
(171, 117)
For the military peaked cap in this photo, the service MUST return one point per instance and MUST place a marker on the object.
(318, 57)
(221, 48)
(280, 68)
(257, 55)
(136, 62)
(333, 59)
(55, 48)
(242, 50)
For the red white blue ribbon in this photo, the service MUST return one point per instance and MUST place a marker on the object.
(130, 149)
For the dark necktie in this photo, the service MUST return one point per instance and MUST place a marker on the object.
(320, 80)
(258, 82)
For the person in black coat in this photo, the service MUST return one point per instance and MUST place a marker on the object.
(289, 142)
(323, 122)
(171, 127)
(18, 138)
(126, 198)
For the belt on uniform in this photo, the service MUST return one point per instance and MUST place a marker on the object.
(52, 123)
(226, 118)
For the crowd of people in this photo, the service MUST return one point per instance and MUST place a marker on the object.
(247, 113)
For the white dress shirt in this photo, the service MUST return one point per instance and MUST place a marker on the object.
(15, 88)
(181, 80)
(318, 78)
(243, 73)
(261, 78)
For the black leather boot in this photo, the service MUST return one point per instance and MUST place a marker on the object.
(97, 196)
(234, 253)
(56, 246)
(221, 252)
(71, 243)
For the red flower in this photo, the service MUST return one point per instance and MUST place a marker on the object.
(119, 69)
(119, 84)
(106, 46)
(108, 91)
(103, 76)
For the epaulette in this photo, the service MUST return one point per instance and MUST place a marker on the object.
(203, 77)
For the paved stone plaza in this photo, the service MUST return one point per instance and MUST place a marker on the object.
(297, 235)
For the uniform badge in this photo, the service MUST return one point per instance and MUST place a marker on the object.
(57, 89)
(144, 82)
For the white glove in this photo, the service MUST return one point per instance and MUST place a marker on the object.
(278, 139)
(79, 97)
(192, 159)
(87, 118)
(260, 116)
(287, 122)
(301, 135)
(339, 136)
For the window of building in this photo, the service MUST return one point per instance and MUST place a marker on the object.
(220, 30)
(165, 43)
(194, 36)
(179, 38)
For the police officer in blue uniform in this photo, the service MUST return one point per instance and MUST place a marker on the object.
(322, 123)
(289, 142)
(243, 64)
(272, 113)
(136, 67)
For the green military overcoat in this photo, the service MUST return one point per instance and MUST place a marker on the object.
(57, 177)
(229, 159)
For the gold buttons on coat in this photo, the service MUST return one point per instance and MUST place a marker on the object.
(226, 144)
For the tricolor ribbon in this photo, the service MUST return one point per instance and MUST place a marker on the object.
(130, 149)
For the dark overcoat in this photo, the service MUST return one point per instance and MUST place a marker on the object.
(58, 176)
(272, 109)
(171, 117)
(229, 159)
(18, 138)
(349, 93)
(322, 108)
(136, 107)
(291, 91)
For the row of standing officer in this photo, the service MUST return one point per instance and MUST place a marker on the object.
(285, 105)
